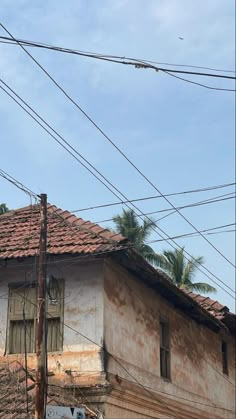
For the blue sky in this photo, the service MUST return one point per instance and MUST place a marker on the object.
(180, 135)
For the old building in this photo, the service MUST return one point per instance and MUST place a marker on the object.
(122, 339)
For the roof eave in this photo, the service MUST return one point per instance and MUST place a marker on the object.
(135, 263)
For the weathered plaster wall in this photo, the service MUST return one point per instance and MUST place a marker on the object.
(83, 311)
(107, 300)
(132, 315)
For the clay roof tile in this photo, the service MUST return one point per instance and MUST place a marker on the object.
(19, 233)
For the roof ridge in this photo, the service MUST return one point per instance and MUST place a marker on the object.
(77, 221)
(86, 225)
(14, 211)
(67, 233)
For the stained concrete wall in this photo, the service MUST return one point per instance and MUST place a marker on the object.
(83, 312)
(104, 302)
(132, 315)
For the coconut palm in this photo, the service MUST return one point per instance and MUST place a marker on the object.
(128, 225)
(181, 271)
(3, 209)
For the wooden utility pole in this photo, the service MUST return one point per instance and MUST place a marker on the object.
(41, 319)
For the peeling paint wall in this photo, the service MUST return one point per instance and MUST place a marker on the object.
(132, 315)
(83, 311)
(106, 303)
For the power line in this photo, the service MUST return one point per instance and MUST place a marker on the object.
(118, 149)
(138, 63)
(7, 40)
(193, 204)
(101, 347)
(119, 362)
(173, 212)
(220, 232)
(56, 139)
(209, 188)
(197, 84)
(160, 391)
(196, 204)
(114, 193)
(192, 259)
(201, 355)
(123, 247)
(174, 395)
(215, 228)
(26, 363)
(186, 235)
(18, 184)
(116, 397)
(184, 65)
(130, 245)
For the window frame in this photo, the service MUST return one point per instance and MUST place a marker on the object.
(59, 314)
(14, 286)
(166, 349)
(225, 357)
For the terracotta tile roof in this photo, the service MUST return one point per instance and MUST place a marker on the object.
(13, 402)
(68, 234)
(19, 234)
(217, 310)
(211, 306)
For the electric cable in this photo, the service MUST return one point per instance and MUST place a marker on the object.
(198, 84)
(139, 215)
(101, 347)
(115, 358)
(117, 148)
(18, 184)
(73, 259)
(26, 364)
(7, 40)
(138, 63)
(192, 205)
(111, 204)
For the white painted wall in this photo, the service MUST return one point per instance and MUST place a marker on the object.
(83, 311)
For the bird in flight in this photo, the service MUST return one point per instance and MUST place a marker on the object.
(181, 38)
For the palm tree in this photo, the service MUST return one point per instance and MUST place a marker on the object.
(3, 209)
(128, 225)
(181, 271)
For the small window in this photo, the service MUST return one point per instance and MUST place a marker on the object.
(21, 337)
(54, 335)
(224, 353)
(22, 318)
(164, 349)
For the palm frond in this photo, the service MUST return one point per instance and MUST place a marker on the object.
(162, 262)
(203, 287)
(127, 225)
(147, 228)
(149, 254)
(173, 265)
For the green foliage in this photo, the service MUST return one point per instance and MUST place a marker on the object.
(3, 209)
(129, 226)
(181, 271)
